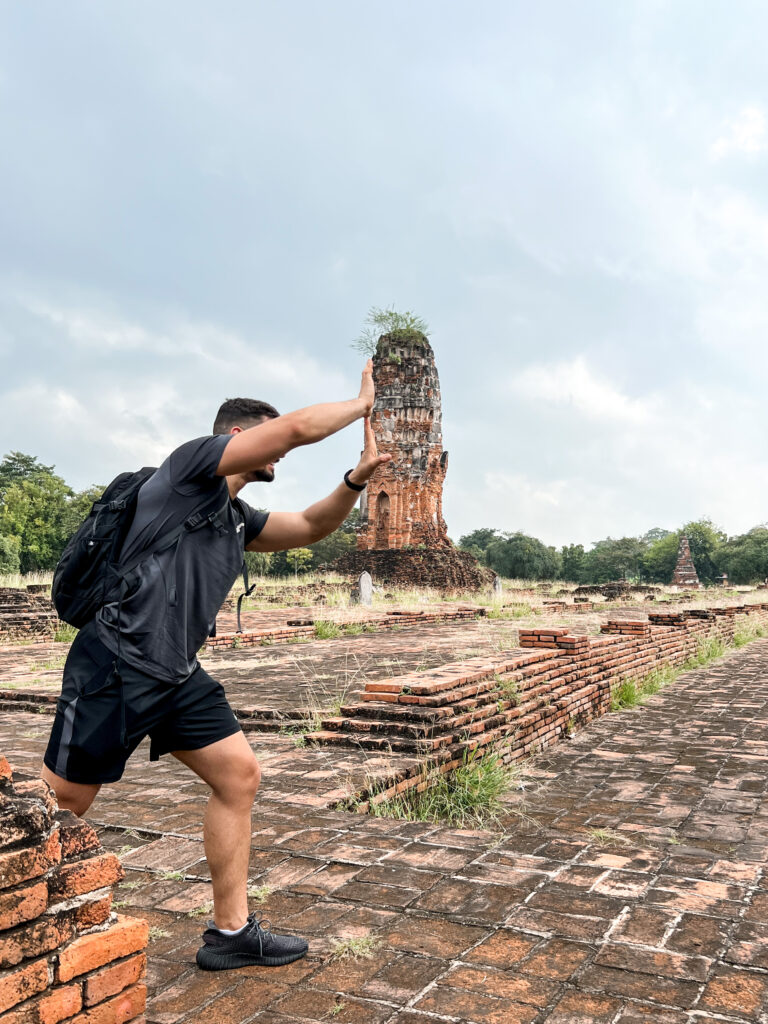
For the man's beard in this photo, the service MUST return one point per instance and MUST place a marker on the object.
(261, 476)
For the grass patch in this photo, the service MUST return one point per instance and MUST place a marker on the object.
(327, 630)
(65, 633)
(259, 893)
(202, 911)
(362, 948)
(707, 650)
(470, 796)
(747, 633)
(156, 933)
(631, 692)
(172, 876)
(607, 837)
(353, 629)
(508, 689)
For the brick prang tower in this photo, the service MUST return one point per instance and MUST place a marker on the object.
(402, 505)
(685, 574)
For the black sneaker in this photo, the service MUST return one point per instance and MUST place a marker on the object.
(255, 944)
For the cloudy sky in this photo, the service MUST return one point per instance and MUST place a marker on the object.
(203, 200)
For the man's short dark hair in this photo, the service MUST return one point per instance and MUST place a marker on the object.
(239, 412)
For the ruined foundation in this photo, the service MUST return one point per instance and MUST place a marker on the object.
(520, 702)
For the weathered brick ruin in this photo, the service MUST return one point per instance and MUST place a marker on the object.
(26, 614)
(518, 703)
(685, 574)
(64, 953)
(402, 538)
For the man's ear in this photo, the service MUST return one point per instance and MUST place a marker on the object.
(236, 430)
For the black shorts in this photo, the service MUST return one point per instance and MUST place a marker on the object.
(97, 728)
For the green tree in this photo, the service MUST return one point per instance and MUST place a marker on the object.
(745, 558)
(35, 511)
(657, 533)
(572, 563)
(298, 559)
(16, 466)
(10, 548)
(338, 543)
(611, 559)
(517, 556)
(660, 557)
(258, 563)
(477, 542)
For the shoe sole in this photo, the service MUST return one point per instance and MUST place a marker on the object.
(209, 960)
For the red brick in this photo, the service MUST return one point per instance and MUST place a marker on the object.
(85, 876)
(92, 913)
(16, 986)
(121, 1008)
(18, 866)
(22, 904)
(111, 980)
(77, 836)
(127, 936)
(60, 1004)
(33, 939)
(22, 821)
(6, 775)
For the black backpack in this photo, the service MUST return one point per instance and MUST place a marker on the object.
(89, 571)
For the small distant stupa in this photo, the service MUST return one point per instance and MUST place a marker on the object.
(685, 574)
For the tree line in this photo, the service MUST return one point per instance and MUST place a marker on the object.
(650, 558)
(39, 512)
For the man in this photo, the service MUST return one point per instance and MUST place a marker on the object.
(133, 670)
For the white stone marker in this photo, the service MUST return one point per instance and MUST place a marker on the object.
(365, 588)
(498, 589)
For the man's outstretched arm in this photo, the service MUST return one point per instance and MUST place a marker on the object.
(284, 530)
(258, 446)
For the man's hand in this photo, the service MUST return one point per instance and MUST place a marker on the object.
(370, 460)
(367, 394)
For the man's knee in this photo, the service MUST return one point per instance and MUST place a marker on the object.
(241, 781)
(70, 796)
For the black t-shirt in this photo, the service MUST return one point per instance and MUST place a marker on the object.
(173, 596)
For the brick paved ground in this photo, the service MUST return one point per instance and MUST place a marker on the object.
(627, 885)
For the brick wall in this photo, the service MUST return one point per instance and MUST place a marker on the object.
(26, 614)
(519, 702)
(307, 629)
(64, 954)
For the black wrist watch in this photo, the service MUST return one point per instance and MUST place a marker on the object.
(348, 482)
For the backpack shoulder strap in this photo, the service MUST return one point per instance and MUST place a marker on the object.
(199, 518)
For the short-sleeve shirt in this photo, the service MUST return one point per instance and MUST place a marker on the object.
(173, 596)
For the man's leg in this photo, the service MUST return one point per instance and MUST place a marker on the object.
(70, 796)
(230, 768)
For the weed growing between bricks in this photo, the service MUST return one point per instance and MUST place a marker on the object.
(631, 692)
(470, 796)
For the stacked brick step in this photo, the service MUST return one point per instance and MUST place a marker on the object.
(64, 954)
(24, 615)
(521, 702)
(391, 620)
